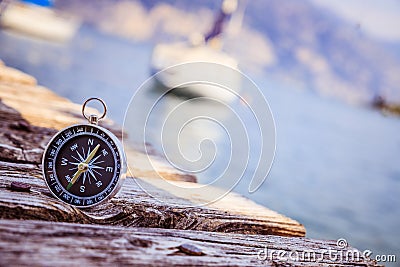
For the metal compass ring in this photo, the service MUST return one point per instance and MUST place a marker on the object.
(92, 99)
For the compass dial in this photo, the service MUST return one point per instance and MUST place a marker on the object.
(84, 165)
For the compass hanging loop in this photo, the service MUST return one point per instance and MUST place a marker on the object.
(93, 118)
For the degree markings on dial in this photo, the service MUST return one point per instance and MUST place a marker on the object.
(95, 165)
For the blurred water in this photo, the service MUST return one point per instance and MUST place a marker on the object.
(336, 169)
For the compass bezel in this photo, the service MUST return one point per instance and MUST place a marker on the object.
(52, 182)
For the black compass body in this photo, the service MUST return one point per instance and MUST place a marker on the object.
(84, 165)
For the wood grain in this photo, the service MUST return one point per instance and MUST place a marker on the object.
(65, 244)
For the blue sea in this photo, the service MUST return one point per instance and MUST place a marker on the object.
(337, 166)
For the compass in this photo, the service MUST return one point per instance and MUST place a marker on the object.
(84, 164)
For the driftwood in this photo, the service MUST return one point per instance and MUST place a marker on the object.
(29, 117)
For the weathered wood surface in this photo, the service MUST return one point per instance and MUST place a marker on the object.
(46, 232)
(134, 207)
(65, 244)
(30, 115)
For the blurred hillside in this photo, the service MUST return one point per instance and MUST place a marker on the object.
(295, 41)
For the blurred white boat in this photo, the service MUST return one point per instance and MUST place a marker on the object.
(166, 55)
(37, 19)
(199, 49)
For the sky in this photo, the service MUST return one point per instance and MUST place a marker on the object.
(378, 18)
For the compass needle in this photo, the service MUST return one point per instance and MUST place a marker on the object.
(83, 166)
(92, 154)
(76, 176)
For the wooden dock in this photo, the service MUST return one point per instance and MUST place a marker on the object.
(133, 228)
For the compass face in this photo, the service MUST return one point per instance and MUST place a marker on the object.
(84, 165)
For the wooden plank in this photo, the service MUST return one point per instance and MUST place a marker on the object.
(30, 115)
(134, 207)
(65, 244)
(10, 75)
